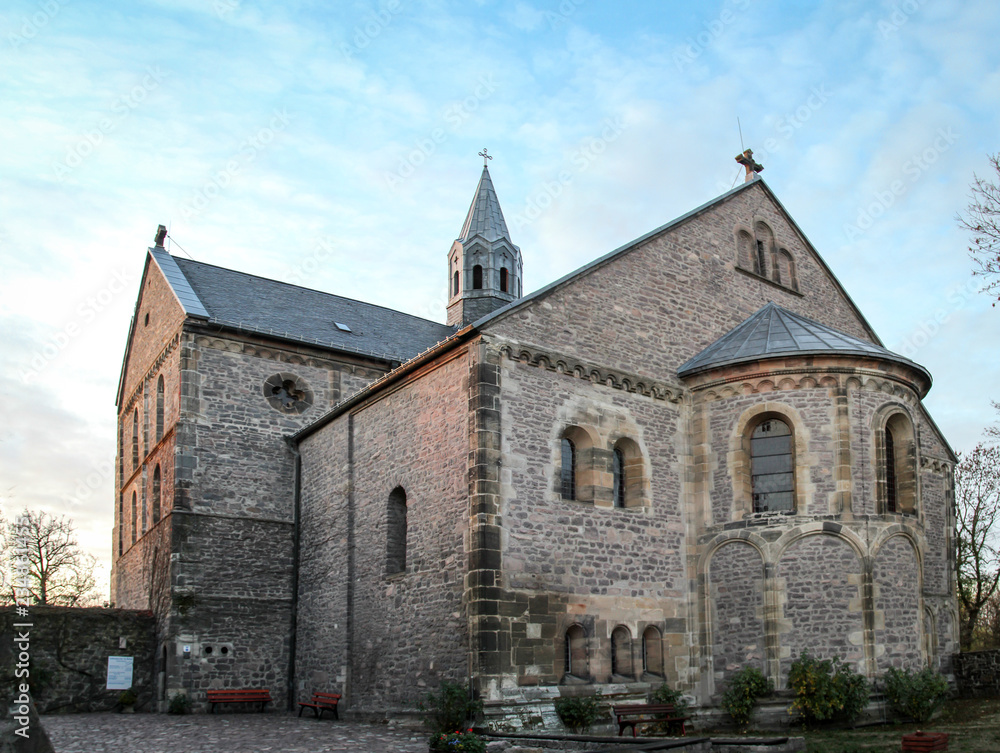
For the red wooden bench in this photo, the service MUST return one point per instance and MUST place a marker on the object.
(647, 713)
(251, 695)
(321, 702)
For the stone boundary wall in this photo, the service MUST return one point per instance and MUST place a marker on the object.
(69, 650)
(977, 673)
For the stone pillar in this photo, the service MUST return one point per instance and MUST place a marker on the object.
(489, 630)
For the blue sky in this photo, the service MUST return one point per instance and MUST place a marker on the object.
(335, 145)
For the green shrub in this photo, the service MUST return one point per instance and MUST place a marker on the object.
(179, 704)
(826, 689)
(578, 713)
(666, 694)
(127, 698)
(917, 694)
(466, 742)
(451, 707)
(743, 694)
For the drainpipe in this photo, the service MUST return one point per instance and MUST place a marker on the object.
(296, 537)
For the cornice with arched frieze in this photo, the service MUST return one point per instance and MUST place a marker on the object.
(157, 363)
(613, 378)
(781, 380)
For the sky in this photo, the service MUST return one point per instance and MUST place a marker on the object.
(335, 145)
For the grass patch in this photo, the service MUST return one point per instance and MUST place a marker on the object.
(973, 726)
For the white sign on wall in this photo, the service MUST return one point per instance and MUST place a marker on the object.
(119, 672)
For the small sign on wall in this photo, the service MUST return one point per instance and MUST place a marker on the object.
(119, 672)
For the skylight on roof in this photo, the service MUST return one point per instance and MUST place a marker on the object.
(342, 327)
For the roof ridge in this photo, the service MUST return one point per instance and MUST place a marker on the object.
(301, 287)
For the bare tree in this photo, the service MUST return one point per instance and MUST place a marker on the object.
(977, 494)
(982, 219)
(44, 562)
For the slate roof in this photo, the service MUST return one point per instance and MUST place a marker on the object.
(278, 309)
(774, 331)
(485, 217)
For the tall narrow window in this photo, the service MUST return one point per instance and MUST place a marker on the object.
(652, 651)
(159, 409)
(135, 517)
(772, 469)
(156, 495)
(121, 525)
(621, 652)
(454, 283)
(568, 470)
(890, 472)
(395, 547)
(618, 475)
(575, 656)
(477, 277)
(135, 439)
(760, 258)
(503, 279)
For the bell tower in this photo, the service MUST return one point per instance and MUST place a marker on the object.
(484, 266)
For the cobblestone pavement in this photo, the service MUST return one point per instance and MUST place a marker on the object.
(226, 733)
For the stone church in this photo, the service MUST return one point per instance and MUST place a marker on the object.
(690, 455)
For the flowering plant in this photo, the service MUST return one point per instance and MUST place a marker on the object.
(458, 741)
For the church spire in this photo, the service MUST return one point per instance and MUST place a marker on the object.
(484, 265)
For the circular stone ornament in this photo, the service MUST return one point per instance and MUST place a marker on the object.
(287, 393)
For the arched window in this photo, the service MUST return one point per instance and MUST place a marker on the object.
(897, 458)
(772, 467)
(786, 267)
(652, 651)
(159, 409)
(135, 518)
(575, 654)
(454, 283)
(395, 547)
(618, 476)
(135, 439)
(567, 472)
(621, 652)
(121, 525)
(760, 262)
(477, 277)
(156, 495)
(503, 279)
(890, 471)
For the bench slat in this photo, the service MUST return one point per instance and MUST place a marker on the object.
(321, 702)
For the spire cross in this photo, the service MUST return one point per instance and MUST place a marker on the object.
(485, 156)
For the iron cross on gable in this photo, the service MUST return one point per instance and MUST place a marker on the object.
(485, 156)
(746, 159)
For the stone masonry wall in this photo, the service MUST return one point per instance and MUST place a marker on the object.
(822, 602)
(385, 639)
(325, 556)
(567, 562)
(737, 604)
(897, 605)
(69, 650)
(670, 297)
(978, 673)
